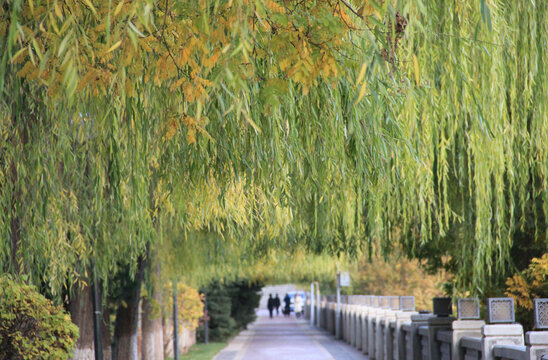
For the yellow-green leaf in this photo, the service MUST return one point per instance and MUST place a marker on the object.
(118, 8)
(90, 5)
(416, 66)
(362, 93)
(115, 46)
(362, 73)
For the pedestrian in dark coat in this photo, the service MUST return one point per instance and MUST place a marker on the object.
(277, 304)
(287, 307)
(270, 304)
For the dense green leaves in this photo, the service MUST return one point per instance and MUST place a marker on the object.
(321, 127)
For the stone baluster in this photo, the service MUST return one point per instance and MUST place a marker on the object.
(403, 316)
(537, 344)
(501, 330)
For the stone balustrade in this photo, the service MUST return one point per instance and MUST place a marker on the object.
(384, 330)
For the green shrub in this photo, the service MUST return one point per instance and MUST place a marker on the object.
(231, 307)
(221, 324)
(31, 327)
(245, 298)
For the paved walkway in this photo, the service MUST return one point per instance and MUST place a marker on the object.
(283, 338)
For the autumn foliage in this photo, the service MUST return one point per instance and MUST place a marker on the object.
(530, 284)
(31, 327)
(399, 276)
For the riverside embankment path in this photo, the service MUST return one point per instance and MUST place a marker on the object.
(286, 338)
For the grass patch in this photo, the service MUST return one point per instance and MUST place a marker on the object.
(201, 351)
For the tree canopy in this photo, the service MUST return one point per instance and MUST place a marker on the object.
(232, 130)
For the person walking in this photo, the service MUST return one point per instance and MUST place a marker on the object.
(270, 305)
(298, 306)
(287, 305)
(277, 304)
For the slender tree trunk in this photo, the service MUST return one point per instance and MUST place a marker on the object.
(152, 347)
(107, 349)
(81, 313)
(127, 319)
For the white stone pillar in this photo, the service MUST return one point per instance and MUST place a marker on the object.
(365, 315)
(388, 343)
(402, 317)
(371, 332)
(379, 334)
(500, 334)
(462, 328)
(537, 344)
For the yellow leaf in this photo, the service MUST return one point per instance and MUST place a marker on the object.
(362, 93)
(115, 46)
(17, 54)
(252, 123)
(54, 24)
(58, 11)
(416, 66)
(90, 5)
(118, 8)
(362, 73)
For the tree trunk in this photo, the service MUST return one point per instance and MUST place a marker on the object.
(126, 330)
(81, 313)
(127, 319)
(107, 349)
(152, 347)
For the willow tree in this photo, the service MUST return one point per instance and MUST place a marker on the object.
(101, 97)
(262, 127)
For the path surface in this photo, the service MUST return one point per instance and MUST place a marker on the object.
(283, 338)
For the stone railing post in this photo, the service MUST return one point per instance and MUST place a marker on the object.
(349, 331)
(352, 323)
(389, 329)
(371, 330)
(354, 330)
(537, 341)
(379, 330)
(343, 322)
(350, 316)
(501, 330)
(416, 321)
(322, 314)
(365, 324)
(388, 341)
(500, 334)
(355, 323)
(328, 312)
(461, 328)
(359, 328)
(318, 305)
(348, 326)
(332, 308)
(442, 310)
(468, 324)
(436, 324)
(537, 344)
(402, 317)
